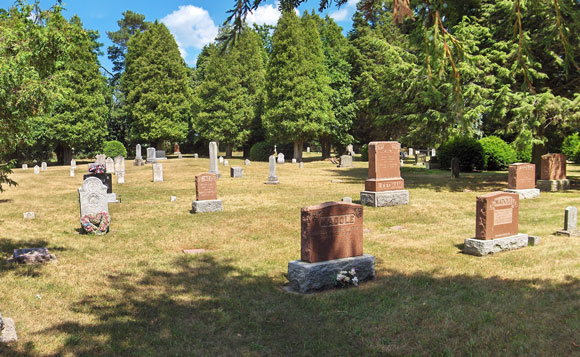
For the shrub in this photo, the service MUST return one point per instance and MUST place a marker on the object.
(114, 148)
(523, 155)
(570, 145)
(576, 155)
(467, 150)
(261, 151)
(497, 154)
(364, 152)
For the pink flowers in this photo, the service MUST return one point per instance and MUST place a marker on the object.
(96, 223)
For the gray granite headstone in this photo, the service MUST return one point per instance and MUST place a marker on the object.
(345, 161)
(93, 197)
(151, 154)
(110, 165)
(36, 169)
(213, 160)
(24, 167)
(236, 171)
(570, 218)
(281, 158)
(160, 155)
(272, 178)
(157, 172)
(43, 166)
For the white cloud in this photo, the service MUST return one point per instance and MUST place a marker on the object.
(345, 11)
(192, 27)
(267, 15)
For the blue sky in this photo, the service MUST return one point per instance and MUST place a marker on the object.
(193, 23)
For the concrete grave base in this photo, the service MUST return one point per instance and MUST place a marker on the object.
(272, 181)
(384, 198)
(206, 206)
(138, 162)
(8, 334)
(573, 233)
(481, 247)
(553, 185)
(525, 194)
(217, 173)
(307, 277)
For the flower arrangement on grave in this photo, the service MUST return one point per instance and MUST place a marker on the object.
(346, 278)
(96, 169)
(96, 223)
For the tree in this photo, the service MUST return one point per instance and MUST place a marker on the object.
(78, 120)
(297, 106)
(157, 88)
(232, 90)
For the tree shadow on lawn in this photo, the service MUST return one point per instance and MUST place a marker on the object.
(7, 247)
(210, 307)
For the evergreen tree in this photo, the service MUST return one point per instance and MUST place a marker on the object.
(157, 88)
(297, 106)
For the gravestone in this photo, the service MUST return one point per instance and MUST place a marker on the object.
(236, 171)
(433, 153)
(29, 215)
(350, 150)
(195, 156)
(308, 149)
(43, 167)
(138, 156)
(73, 163)
(24, 167)
(420, 159)
(226, 162)
(522, 180)
(179, 156)
(93, 196)
(100, 159)
(345, 161)
(106, 179)
(346, 199)
(454, 168)
(7, 330)
(36, 169)
(496, 225)
(553, 173)
(32, 256)
(110, 166)
(173, 198)
(301, 165)
(119, 164)
(272, 178)
(331, 241)
(121, 177)
(72, 171)
(221, 158)
(570, 223)
(293, 160)
(411, 152)
(213, 160)
(157, 172)
(151, 154)
(384, 186)
(281, 158)
(176, 149)
(206, 194)
(247, 162)
(160, 155)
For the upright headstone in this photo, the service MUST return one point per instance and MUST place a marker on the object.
(385, 186)
(36, 169)
(331, 241)
(121, 177)
(93, 199)
(272, 178)
(7, 330)
(73, 163)
(160, 155)
(236, 172)
(157, 172)
(110, 165)
(72, 171)
(420, 159)
(522, 180)
(301, 165)
(206, 194)
(119, 164)
(496, 225)
(226, 162)
(221, 159)
(100, 159)
(350, 150)
(213, 159)
(570, 223)
(293, 160)
(553, 173)
(179, 156)
(151, 154)
(308, 149)
(411, 152)
(247, 162)
(454, 168)
(43, 166)
(138, 156)
(195, 156)
(345, 161)
(433, 153)
(281, 158)
(24, 167)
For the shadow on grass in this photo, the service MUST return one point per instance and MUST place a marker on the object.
(208, 307)
(7, 247)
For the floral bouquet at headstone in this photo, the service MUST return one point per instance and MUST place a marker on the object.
(96, 223)
(346, 278)
(96, 169)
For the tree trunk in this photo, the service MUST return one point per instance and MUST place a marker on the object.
(63, 154)
(325, 144)
(160, 144)
(537, 151)
(246, 151)
(298, 150)
(229, 149)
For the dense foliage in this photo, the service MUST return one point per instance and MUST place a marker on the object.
(261, 151)
(497, 154)
(469, 152)
(570, 145)
(114, 148)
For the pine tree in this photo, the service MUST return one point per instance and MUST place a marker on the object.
(157, 88)
(297, 107)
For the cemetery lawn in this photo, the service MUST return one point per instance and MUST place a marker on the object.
(134, 292)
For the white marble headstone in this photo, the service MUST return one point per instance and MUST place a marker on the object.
(43, 166)
(109, 165)
(72, 171)
(213, 160)
(280, 158)
(151, 154)
(73, 163)
(157, 172)
(93, 197)
(121, 177)
(36, 169)
(221, 159)
(24, 167)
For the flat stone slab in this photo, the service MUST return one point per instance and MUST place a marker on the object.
(8, 334)
(31, 256)
(574, 233)
(194, 251)
(525, 194)
(206, 206)
(553, 185)
(307, 277)
(384, 198)
(481, 247)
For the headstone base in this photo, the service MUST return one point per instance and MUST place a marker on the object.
(525, 194)
(138, 162)
(8, 334)
(573, 233)
(307, 277)
(384, 198)
(533, 240)
(272, 180)
(481, 247)
(217, 173)
(206, 206)
(553, 185)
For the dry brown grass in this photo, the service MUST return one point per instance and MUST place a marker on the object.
(133, 292)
